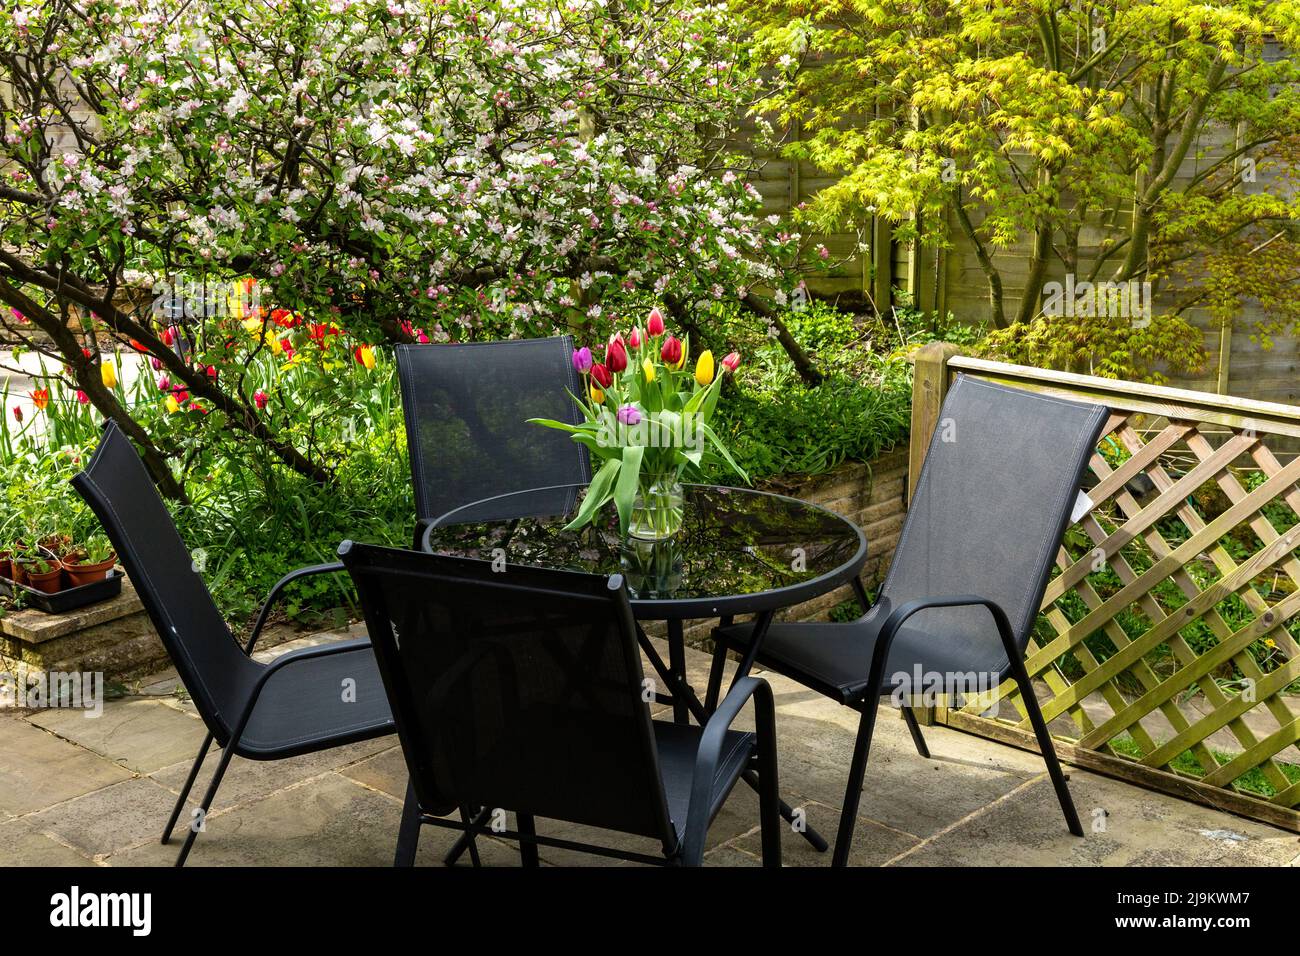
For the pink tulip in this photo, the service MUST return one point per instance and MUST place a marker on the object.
(260, 398)
(634, 338)
(629, 415)
(655, 323)
(731, 361)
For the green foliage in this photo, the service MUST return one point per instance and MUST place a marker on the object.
(1146, 140)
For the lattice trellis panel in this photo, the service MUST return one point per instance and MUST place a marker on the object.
(1167, 634)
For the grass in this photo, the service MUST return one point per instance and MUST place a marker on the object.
(1252, 781)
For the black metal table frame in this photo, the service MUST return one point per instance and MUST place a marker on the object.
(764, 605)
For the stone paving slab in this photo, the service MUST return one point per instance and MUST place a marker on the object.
(38, 770)
(249, 780)
(1123, 825)
(98, 791)
(111, 819)
(25, 845)
(137, 734)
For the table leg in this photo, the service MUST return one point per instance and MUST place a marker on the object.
(683, 694)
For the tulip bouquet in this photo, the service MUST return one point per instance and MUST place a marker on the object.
(647, 422)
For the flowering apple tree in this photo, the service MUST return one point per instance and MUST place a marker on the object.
(383, 170)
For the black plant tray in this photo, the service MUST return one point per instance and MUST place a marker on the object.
(66, 600)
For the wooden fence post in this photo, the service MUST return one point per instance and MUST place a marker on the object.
(929, 386)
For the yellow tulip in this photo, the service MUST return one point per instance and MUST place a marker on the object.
(648, 368)
(108, 374)
(704, 368)
(172, 405)
(597, 395)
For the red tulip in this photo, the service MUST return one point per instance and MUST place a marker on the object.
(671, 353)
(82, 397)
(655, 323)
(18, 413)
(731, 361)
(634, 338)
(169, 337)
(260, 399)
(602, 375)
(616, 355)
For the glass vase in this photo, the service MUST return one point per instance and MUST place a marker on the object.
(657, 509)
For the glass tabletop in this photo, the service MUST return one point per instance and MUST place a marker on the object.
(738, 551)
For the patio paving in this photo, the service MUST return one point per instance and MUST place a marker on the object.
(80, 791)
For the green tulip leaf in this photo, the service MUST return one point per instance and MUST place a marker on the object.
(625, 490)
(598, 492)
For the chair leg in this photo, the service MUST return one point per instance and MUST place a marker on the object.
(769, 794)
(408, 833)
(1045, 745)
(910, 717)
(466, 840)
(528, 849)
(853, 794)
(185, 790)
(716, 670)
(227, 752)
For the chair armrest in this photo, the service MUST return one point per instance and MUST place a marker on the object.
(710, 752)
(899, 615)
(278, 589)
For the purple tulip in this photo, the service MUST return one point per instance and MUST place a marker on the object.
(582, 359)
(629, 415)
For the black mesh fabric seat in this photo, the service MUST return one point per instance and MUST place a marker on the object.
(302, 702)
(1001, 476)
(522, 690)
(467, 408)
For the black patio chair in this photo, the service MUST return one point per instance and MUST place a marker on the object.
(522, 690)
(1000, 480)
(299, 703)
(467, 409)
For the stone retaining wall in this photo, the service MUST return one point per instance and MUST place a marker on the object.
(114, 637)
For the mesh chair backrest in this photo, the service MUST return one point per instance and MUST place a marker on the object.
(211, 664)
(520, 689)
(467, 409)
(1000, 480)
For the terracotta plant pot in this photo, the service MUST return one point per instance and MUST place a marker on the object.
(6, 566)
(79, 574)
(51, 582)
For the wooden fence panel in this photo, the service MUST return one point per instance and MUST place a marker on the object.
(1166, 649)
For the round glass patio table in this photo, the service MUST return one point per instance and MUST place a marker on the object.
(738, 551)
